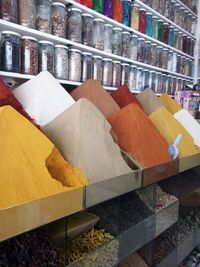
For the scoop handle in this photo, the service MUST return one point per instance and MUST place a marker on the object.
(178, 139)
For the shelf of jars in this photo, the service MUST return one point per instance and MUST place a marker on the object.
(186, 7)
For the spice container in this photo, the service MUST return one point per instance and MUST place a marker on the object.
(117, 41)
(182, 65)
(98, 5)
(74, 25)
(170, 61)
(192, 47)
(164, 87)
(108, 38)
(165, 58)
(174, 81)
(160, 30)
(133, 47)
(126, 18)
(43, 15)
(155, 27)
(146, 79)
(46, 56)
(87, 3)
(126, 37)
(187, 67)
(193, 28)
(9, 10)
(171, 11)
(155, 5)
(166, 32)
(141, 50)
(139, 80)
(167, 8)
(29, 55)
(59, 15)
(108, 8)
(184, 47)
(176, 39)
(186, 22)
(107, 72)
(86, 66)
(135, 17)
(161, 7)
(116, 74)
(182, 17)
(180, 41)
(178, 65)
(149, 24)
(148, 55)
(27, 13)
(98, 34)
(154, 54)
(75, 65)
(188, 45)
(159, 57)
(87, 30)
(158, 88)
(171, 36)
(132, 78)
(177, 13)
(125, 69)
(10, 51)
(179, 85)
(169, 90)
(142, 20)
(117, 10)
(97, 71)
(61, 62)
(174, 63)
(153, 80)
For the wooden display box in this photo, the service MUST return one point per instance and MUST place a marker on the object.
(189, 162)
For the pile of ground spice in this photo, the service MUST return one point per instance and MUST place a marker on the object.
(139, 137)
(170, 104)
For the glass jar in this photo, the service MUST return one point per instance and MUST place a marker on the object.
(142, 20)
(132, 78)
(98, 5)
(139, 80)
(117, 10)
(126, 18)
(97, 72)
(158, 88)
(174, 63)
(141, 50)
(75, 65)
(108, 31)
(164, 87)
(107, 72)
(170, 61)
(87, 3)
(87, 30)
(176, 39)
(46, 56)
(174, 82)
(182, 17)
(167, 8)
(180, 41)
(133, 47)
(177, 14)
(192, 45)
(155, 5)
(9, 10)
(126, 37)
(27, 13)
(116, 74)
(194, 22)
(170, 85)
(125, 69)
(182, 65)
(178, 65)
(98, 34)
(43, 15)
(117, 41)
(153, 80)
(160, 30)
(155, 27)
(184, 47)
(147, 55)
(29, 55)
(159, 56)
(74, 25)
(171, 36)
(154, 54)
(108, 8)
(188, 45)
(135, 17)
(161, 7)
(166, 32)
(61, 63)
(186, 22)
(165, 58)
(146, 79)
(171, 13)
(187, 67)
(178, 85)
(86, 66)
(149, 24)
(59, 16)
(10, 51)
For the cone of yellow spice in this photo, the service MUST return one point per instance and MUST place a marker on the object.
(171, 105)
(27, 159)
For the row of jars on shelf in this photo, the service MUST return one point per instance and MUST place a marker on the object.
(192, 4)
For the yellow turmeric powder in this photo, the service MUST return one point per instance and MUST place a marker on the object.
(24, 150)
(170, 104)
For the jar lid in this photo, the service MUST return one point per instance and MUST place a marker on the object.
(172, 27)
(116, 61)
(99, 57)
(142, 9)
(62, 46)
(161, 20)
(58, 4)
(166, 49)
(146, 70)
(100, 20)
(136, 5)
(182, 8)
(125, 64)
(11, 32)
(107, 59)
(154, 44)
(128, 33)
(75, 50)
(133, 66)
(46, 42)
(86, 54)
(147, 42)
(117, 29)
(75, 9)
(148, 13)
(141, 39)
(29, 38)
(108, 25)
(135, 36)
(160, 47)
(165, 23)
(140, 69)
(164, 75)
(160, 73)
(180, 33)
(154, 17)
(87, 15)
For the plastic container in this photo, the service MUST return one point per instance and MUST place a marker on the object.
(43, 16)
(169, 90)
(180, 41)
(188, 45)
(9, 10)
(108, 8)
(142, 20)
(126, 18)
(126, 37)
(171, 13)
(192, 47)
(116, 74)
(165, 55)
(29, 55)
(171, 36)
(174, 82)
(98, 5)
(176, 39)
(133, 47)
(146, 79)
(194, 23)
(184, 47)
(178, 65)
(153, 80)
(107, 72)
(155, 5)
(160, 30)
(149, 24)
(155, 27)
(167, 8)
(139, 80)
(182, 65)
(118, 10)
(10, 51)
(59, 15)
(135, 17)
(182, 17)
(170, 61)
(27, 13)
(74, 25)
(154, 54)
(141, 49)
(117, 41)
(125, 69)
(75, 65)
(87, 29)
(174, 63)
(159, 82)
(166, 32)
(87, 3)
(46, 56)
(164, 84)
(159, 56)
(177, 13)
(108, 31)
(97, 71)
(86, 66)
(132, 78)
(61, 64)
(98, 34)
(162, 7)
(148, 55)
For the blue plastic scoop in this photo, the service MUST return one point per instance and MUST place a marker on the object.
(173, 149)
